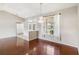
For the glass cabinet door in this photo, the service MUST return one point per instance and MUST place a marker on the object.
(32, 27)
(49, 25)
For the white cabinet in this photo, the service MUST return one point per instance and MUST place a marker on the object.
(31, 28)
(50, 28)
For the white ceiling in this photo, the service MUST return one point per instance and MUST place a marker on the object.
(32, 9)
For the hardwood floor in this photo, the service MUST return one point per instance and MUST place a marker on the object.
(43, 47)
(18, 46)
(9, 46)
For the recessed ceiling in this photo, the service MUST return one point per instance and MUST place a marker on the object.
(32, 9)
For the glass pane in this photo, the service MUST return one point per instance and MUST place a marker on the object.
(49, 25)
(33, 26)
(30, 27)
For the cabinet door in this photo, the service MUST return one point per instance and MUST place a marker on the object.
(32, 27)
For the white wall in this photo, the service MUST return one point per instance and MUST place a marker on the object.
(78, 26)
(69, 26)
(7, 24)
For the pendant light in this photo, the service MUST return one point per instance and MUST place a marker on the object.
(41, 17)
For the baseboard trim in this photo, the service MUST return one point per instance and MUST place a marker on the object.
(33, 39)
(8, 37)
